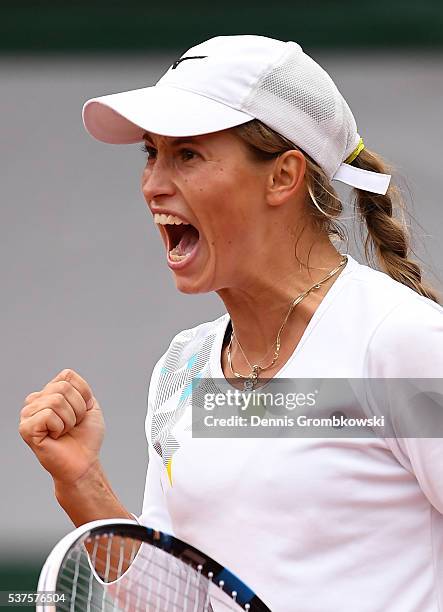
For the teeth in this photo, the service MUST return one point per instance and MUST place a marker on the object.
(174, 257)
(162, 219)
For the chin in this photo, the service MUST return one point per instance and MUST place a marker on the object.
(190, 287)
(201, 281)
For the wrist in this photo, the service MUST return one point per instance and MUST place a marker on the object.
(93, 479)
(89, 498)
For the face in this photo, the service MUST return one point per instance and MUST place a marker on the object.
(212, 185)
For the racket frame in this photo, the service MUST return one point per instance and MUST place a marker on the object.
(209, 567)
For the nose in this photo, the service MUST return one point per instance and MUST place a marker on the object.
(157, 180)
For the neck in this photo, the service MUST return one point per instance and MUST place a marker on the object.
(258, 308)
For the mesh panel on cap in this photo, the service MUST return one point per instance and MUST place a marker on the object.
(320, 106)
(298, 99)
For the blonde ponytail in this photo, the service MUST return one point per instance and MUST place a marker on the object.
(387, 236)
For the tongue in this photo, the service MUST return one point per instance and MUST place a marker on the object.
(187, 242)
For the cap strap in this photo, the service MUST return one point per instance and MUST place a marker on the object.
(367, 180)
(375, 182)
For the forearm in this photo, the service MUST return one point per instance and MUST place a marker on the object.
(89, 499)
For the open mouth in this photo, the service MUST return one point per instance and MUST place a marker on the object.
(182, 236)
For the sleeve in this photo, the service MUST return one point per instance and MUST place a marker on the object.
(408, 344)
(154, 512)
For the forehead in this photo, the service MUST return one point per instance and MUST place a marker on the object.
(203, 139)
(168, 139)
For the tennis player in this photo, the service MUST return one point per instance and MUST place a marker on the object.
(245, 136)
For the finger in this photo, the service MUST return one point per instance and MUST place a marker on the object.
(77, 382)
(72, 396)
(31, 397)
(35, 429)
(55, 402)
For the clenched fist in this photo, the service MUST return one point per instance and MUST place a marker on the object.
(63, 425)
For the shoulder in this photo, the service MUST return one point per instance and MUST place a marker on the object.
(190, 345)
(378, 290)
(171, 382)
(408, 340)
(400, 330)
(200, 331)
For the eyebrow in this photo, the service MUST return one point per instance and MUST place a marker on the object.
(176, 141)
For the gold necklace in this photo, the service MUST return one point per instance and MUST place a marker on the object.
(251, 379)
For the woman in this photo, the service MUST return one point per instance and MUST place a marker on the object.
(244, 135)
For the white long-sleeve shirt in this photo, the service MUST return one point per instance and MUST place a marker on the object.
(311, 524)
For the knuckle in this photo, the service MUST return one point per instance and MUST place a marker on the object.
(22, 428)
(26, 436)
(24, 412)
(58, 399)
(64, 386)
(26, 430)
(67, 374)
(30, 408)
(32, 396)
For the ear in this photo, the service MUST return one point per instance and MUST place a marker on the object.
(286, 178)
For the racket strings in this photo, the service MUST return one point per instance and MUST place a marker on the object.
(70, 582)
(159, 602)
(149, 561)
(155, 582)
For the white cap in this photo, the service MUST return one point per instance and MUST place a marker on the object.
(229, 80)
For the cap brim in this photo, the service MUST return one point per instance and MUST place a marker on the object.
(122, 118)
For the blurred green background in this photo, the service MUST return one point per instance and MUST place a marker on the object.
(39, 28)
(48, 25)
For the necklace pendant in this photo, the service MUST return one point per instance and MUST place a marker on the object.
(255, 371)
(248, 385)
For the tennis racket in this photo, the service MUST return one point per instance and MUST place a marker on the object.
(122, 566)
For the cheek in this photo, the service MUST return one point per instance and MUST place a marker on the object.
(225, 199)
(222, 197)
(222, 220)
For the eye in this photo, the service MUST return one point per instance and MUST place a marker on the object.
(187, 154)
(150, 151)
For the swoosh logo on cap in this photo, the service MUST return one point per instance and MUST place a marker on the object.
(182, 59)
